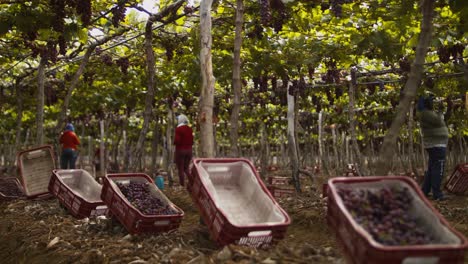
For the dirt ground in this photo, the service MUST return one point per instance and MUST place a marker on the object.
(42, 231)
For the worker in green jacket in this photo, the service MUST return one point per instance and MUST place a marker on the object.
(435, 139)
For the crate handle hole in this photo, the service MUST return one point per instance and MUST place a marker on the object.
(259, 233)
(101, 207)
(36, 154)
(161, 223)
(420, 260)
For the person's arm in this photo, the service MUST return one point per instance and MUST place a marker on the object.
(75, 139)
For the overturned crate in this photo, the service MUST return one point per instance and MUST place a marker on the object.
(235, 204)
(78, 192)
(135, 220)
(35, 168)
(360, 246)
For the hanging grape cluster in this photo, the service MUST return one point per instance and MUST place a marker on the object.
(298, 87)
(106, 59)
(338, 92)
(88, 77)
(60, 13)
(187, 102)
(62, 45)
(317, 103)
(49, 52)
(446, 53)
(123, 63)
(118, 13)
(333, 74)
(306, 120)
(83, 8)
(371, 87)
(272, 14)
(385, 214)
(265, 12)
(310, 71)
(405, 64)
(279, 15)
(337, 6)
(260, 83)
(330, 98)
(256, 32)
(58, 6)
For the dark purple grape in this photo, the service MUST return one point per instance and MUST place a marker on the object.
(384, 213)
(139, 195)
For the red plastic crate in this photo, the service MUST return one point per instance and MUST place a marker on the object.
(10, 189)
(358, 245)
(275, 180)
(130, 217)
(78, 192)
(35, 168)
(281, 191)
(218, 216)
(458, 181)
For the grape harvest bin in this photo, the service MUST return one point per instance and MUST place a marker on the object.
(78, 192)
(358, 245)
(235, 204)
(129, 216)
(458, 182)
(10, 189)
(35, 168)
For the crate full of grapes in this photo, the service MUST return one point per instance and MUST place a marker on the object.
(235, 204)
(458, 182)
(79, 192)
(388, 220)
(135, 201)
(10, 189)
(35, 169)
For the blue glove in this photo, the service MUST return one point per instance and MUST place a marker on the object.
(420, 106)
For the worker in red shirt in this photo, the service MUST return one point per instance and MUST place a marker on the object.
(183, 141)
(69, 142)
